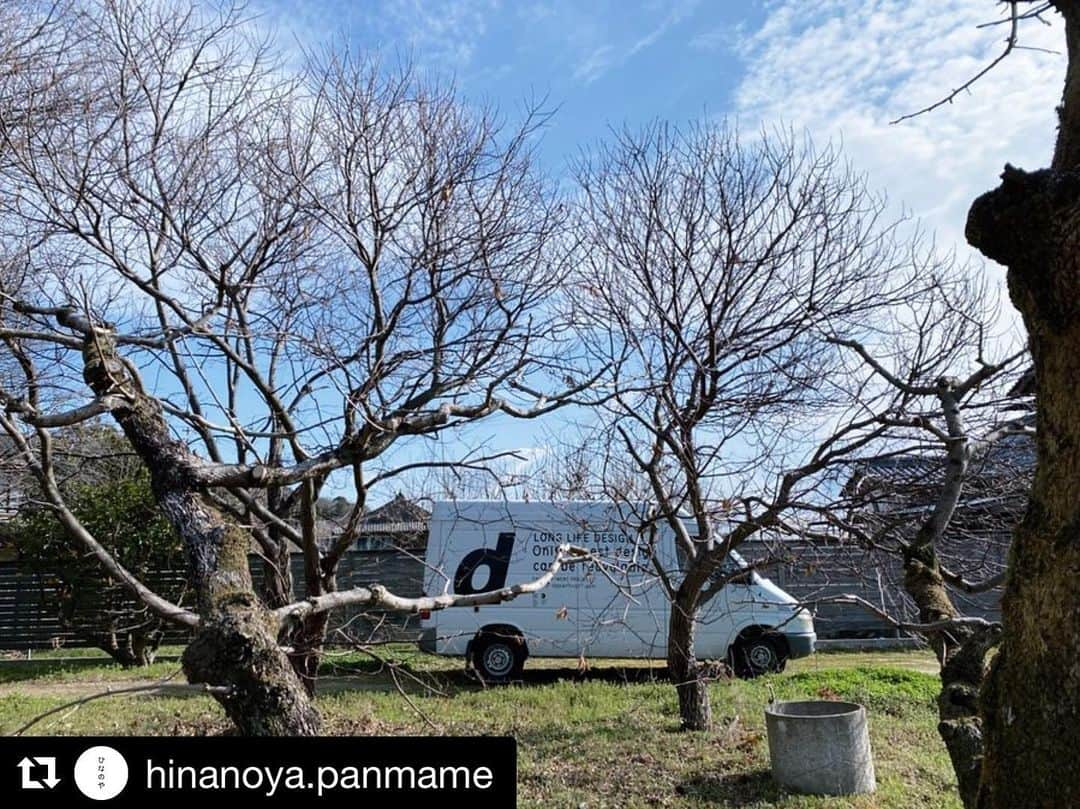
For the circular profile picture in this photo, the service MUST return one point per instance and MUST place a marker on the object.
(101, 773)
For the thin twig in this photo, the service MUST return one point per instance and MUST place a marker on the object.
(1010, 46)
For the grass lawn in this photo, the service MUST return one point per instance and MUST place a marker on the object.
(604, 738)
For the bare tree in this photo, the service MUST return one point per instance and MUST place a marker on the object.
(264, 279)
(33, 41)
(1032, 694)
(727, 268)
(949, 479)
(1028, 224)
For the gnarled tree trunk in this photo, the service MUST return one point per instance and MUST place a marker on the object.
(961, 651)
(1031, 702)
(236, 643)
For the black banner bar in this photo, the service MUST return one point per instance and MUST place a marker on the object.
(325, 771)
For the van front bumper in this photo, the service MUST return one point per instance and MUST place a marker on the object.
(801, 644)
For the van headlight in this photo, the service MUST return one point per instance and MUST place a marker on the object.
(802, 623)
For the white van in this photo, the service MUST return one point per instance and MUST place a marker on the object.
(612, 608)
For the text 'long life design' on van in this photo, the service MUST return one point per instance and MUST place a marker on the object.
(611, 606)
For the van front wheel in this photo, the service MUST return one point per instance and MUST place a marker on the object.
(498, 658)
(761, 654)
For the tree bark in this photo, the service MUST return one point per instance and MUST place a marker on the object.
(1031, 700)
(319, 579)
(306, 636)
(961, 650)
(691, 684)
(236, 643)
(308, 640)
(960, 726)
(277, 589)
(131, 649)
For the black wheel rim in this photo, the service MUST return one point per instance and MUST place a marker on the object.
(498, 660)
(761, 656)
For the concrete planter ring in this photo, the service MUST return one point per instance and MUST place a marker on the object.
(820, 747)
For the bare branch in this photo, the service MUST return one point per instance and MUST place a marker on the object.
(379, 597)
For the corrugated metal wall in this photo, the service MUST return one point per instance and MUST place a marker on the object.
(29, 602)
(811, 572)
(814, 572)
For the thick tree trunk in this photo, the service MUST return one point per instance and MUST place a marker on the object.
(236, 644)
(277, 588)
(690, 680)
(131, 649)
(961, 652)
(308, 641)
(1031, 701)
(1031, 704)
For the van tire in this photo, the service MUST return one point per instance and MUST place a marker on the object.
(758, 654)
(498, 658)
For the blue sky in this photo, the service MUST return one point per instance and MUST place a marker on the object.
(841, 69)
(598, 63)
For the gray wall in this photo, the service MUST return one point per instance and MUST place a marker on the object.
(29, 616)
(815, 572)
(810, 572)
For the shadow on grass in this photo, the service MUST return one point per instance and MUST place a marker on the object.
(374, 672)
(731, 789)
(608, 674)
(16, 671)
(344, 675)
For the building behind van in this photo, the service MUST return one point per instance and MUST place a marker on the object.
(612, 605)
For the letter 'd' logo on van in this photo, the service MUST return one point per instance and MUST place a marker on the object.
(496, 560)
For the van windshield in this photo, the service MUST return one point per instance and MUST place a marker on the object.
(734, 561)
(732, 565)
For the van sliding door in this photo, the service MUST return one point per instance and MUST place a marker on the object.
(623, 610)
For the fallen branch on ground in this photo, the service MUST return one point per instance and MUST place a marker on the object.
(164, 685)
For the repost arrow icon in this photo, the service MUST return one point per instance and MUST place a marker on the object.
(27, 782)
(50, 780)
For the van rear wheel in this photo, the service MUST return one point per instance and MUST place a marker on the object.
(498, 658)
(761, 654)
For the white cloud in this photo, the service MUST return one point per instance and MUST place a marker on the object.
(722, 37)
(844, 68)
(600, 57)
(594, 65)
(444, 33)
(676, 14)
